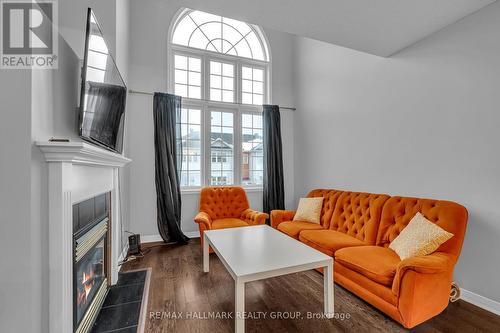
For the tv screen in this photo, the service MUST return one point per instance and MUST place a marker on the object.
(103, 95)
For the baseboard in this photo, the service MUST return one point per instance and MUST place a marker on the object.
(150, 239)
(480, 301)
(192, 234)
(157, 238)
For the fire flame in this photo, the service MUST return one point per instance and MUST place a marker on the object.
(88, 282)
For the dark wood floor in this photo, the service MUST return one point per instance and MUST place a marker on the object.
(178, 285)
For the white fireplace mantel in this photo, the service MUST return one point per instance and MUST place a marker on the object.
(81, 153)
(77, 171)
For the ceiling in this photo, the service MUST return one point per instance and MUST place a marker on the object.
(380, 27)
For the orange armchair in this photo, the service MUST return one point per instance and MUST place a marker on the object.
(226, 207)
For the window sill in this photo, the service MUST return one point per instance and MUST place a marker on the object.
(253, 189)
(189, 191)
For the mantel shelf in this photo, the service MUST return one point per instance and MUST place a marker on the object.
(81, 153)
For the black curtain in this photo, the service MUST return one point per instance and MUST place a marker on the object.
(166, 110)
(274, 193)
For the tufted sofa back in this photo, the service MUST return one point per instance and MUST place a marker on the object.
(358, 214)
(329, 202)
(398, 212)
(223, 201)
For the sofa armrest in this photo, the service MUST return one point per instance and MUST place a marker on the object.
(205, 219)
(254, 217)
(422, 286)
(278, 216)
(435, 263)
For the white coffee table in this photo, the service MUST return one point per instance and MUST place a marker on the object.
(260, 252)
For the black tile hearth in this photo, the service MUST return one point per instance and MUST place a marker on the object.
(121, 309)
(124, 294)
(125, 279)
(117, 317)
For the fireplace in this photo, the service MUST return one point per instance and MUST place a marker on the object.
(77, 171)
(91, 259)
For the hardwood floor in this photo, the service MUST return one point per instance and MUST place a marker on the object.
(180, 288)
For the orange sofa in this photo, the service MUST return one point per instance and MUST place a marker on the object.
(226, 207)
(357, 228)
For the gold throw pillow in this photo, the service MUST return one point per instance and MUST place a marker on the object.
(309, 210)
(420, 237)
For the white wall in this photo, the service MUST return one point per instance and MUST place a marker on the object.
(122, 37)
(123, 63)
(150, 21)
(424, 122)
(53, 114)
(114, 20)
(18, 287)
(38, 105)
(73, 17)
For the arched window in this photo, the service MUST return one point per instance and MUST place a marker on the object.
(219, 34)
(220, 66)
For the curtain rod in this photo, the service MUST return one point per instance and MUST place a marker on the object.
(204, 100)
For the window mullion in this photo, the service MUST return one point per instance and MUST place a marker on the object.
(206, 122)
(206, 145)
(237, 146)
(202, 147)
(238, 83)
(206, 78)
(237, 125)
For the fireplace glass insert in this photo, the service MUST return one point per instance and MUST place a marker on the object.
(91, 259)
(89, 276)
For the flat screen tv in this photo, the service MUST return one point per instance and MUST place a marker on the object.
(103, 94)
